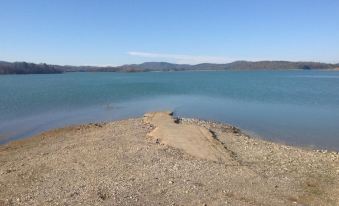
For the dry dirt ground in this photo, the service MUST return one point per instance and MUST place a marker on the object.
(143, 162)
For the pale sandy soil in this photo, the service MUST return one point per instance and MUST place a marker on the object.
(155, 161)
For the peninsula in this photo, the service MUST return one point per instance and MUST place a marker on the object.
(163, 160)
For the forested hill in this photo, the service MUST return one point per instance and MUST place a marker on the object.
(27, 68)
(31, 68)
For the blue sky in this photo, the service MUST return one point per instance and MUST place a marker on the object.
(89, 32)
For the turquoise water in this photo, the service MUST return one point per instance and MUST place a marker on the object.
(294, 107)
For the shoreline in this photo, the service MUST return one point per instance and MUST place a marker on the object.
(188, 70)
(250, 134)
(124, 162)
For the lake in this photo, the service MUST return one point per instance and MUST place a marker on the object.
(292, 107)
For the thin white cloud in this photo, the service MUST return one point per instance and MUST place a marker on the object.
(180, 58)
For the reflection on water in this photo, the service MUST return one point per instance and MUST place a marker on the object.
(274, 105)
(284, 123)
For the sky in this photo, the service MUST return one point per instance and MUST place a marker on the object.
(109, 32)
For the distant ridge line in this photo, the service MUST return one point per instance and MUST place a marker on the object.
(42, 68)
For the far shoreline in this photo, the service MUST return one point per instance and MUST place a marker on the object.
(29, 68)
(132, 72)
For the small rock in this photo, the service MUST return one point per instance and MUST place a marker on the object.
(9, 171)
(171, 182)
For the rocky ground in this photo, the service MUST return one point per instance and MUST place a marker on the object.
(124, 163)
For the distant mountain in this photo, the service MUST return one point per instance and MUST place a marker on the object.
(237, 65)
(31, 68)
(147, 66)
(277, 65)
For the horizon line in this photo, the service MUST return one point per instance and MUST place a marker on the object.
(89, 65)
